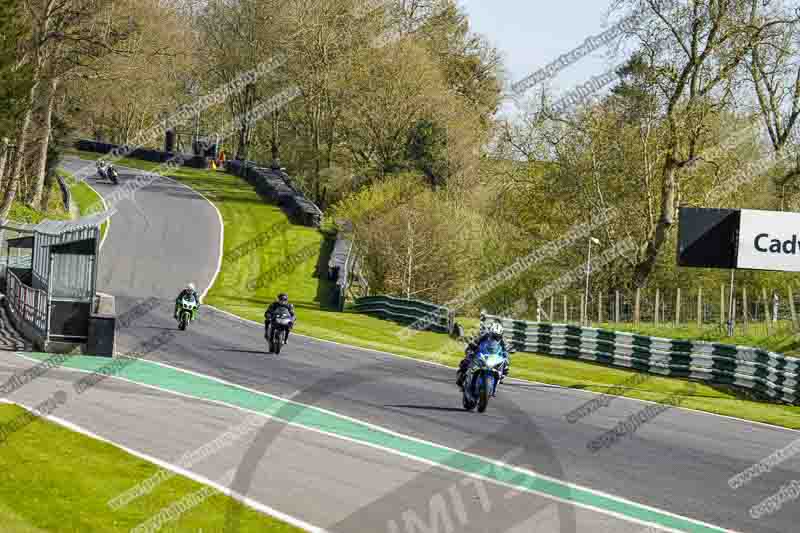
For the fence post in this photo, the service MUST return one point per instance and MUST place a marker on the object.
(678, 307)
(637, 306)
(722, 304)
(552, 317)
(600, 307)
(744, 308)
(616, 306)
(700, 307)
(766, 306)
(791, 307)
(655, 312)
(583, 309)
(566, 316)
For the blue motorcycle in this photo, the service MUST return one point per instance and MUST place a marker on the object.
(484, 373)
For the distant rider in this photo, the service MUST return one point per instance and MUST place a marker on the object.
(281, 302)
(189, 293)
(495, 331)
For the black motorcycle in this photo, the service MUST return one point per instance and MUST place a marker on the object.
(113, 175)
(279, 326)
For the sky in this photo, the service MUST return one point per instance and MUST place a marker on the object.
(529, 34)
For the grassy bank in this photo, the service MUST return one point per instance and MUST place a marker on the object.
(54, 211)
(65, 488)
(247, 217)
(85, 198)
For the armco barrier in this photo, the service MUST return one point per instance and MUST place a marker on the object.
(66, 194)
(276, 186)
(426, 315)
(340, 263)
(145, 154)
(772, 374)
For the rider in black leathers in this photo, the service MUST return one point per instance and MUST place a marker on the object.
(494, 331)
(282, 301)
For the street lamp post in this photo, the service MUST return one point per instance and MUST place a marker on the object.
(588, 268)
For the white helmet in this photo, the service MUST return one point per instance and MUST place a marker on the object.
(496, 329)
(190, 286)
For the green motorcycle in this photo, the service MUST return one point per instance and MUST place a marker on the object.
(187, 311)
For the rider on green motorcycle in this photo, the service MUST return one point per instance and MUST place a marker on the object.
(495, 331)
(189, 293)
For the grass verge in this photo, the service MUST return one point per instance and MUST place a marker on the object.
(247, 217)
(85, 198)
(67, 487)
(20, 212)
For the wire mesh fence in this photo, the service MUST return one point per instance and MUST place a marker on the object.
(753, 311)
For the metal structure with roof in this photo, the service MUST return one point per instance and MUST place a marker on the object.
(51, 277)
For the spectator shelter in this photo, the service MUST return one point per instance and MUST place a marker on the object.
(49, 277)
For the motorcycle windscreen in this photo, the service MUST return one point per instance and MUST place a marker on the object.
(490, 347)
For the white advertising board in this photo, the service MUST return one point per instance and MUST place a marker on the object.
(768, 240)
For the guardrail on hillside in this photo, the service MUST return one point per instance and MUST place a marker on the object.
(146, 154)
(66, 195)
(277, 187)
(340, 264)
(424, 315)
(772, 374)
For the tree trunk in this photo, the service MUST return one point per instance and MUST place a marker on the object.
(22, 142)
(40, 162)
(316, 135)
(667, 218)
(3, 159)
(276, 164)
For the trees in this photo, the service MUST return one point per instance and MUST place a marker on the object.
(692, 70)
(774, 72)
(388, 91)
(15, 75)
(64, 36)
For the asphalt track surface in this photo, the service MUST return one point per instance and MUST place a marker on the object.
(678, 462)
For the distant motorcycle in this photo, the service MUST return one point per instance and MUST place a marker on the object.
(484, 374)
(113, 175)
(101, 170)
(279, 326)
(187, 311)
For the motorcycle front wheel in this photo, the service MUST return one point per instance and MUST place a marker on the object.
(184, 321)
(486, 391)
(277, 343)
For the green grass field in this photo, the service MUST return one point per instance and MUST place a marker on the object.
(57, 480)
(246, 216)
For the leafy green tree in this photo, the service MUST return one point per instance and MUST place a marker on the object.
(427, 150)
(15, 77)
